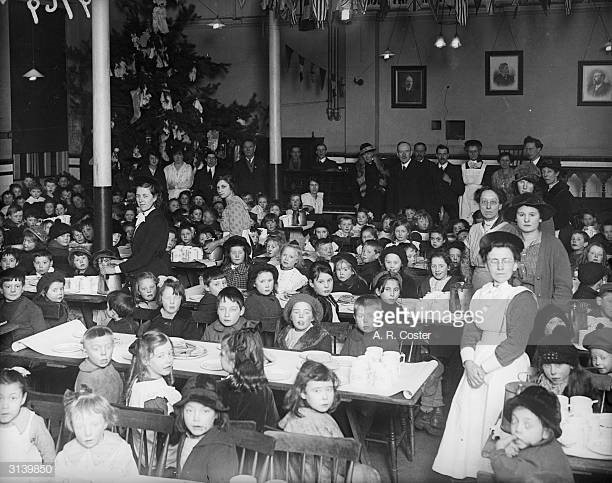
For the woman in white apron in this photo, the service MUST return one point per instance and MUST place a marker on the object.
(473, 174)
(493, 354)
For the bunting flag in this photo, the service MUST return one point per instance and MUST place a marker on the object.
(491, 7)
(319, 11)
(461, 9)
(568, 7)
(322, 74)
(301, 68)
(288, 54)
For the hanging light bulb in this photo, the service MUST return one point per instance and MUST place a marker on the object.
(387, 54)
(440, 43)
(608, 46)
(216, 24)
(456, 42)
(33, 74)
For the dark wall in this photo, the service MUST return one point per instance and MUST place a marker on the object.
(38, 108)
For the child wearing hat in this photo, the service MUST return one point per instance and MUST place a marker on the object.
(346, 278)
(206, 451)
(80, 261)
(50, 298)
(532, 447)
(305, 313)
(59, 239)
(604, 304)
(261, 303)
(599, 343)
(236, 262)
(591, 276)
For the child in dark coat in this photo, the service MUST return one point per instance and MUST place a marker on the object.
(213, 280)
(532, 448)
(120, 308)
(305, 332)
(172, 319)
(261, 303)
(346, 278)
(230, 311)
(50, 298)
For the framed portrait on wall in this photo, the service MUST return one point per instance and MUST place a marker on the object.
(409, 86)
(504, 73)
(595, 83)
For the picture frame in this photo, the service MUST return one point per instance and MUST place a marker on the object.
(409, 87)
(595, 83)
(504, 73)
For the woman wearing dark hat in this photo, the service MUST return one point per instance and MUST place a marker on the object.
(544, 267)
(59, 239)
(371, 178)
(150, 237)
(493, 354)
(558, 194)
(527, 179)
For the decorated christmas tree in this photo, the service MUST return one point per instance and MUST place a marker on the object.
(162, 88)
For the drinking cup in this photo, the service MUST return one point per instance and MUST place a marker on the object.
(345, 363)
(392, 360)
(581, 406)
(374, 354)
(360, 371)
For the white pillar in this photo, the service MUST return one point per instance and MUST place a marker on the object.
(100, 59)
(274, 69)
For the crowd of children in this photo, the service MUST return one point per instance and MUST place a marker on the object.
(265, 292)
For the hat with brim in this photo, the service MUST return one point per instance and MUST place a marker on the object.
(58, 229)
(366, 148)
(48, 278)
(256, 268)
(104, 254)
(204, 396)
(79, 251)
(556, 349)
(347, 257)
(528, 199)
(527, 171)
(395, 250)
(544, 404)
(553, 164)
(590, 273)
(317, 308)
(36, 232)
(599, 339)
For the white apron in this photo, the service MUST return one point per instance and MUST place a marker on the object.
(474, 411)
(473, 182)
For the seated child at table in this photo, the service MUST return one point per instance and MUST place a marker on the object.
(319, 231)
(591, 276)
(42, 261)
(400, 232)
(261, 303)
(386, 230)
(344, 236)
(364, 334)
(213, 281)
(599, 344)
(206, 452)
(230, 311)
(304, 313)
(311, 399)
(558, 368)
(120, 308)
(246, 391)
(578, 243)
(9, 258)
(23, 434)
(79, 260)
(186, 235)
(346, 278)
(290, 278)
(97, 371)
(394, 260)
(440, 280)
(532, 447)
(272, 249)
(236, 261)
(436, 242)
(17, 308)
(95, 451)
(370, 263)
(604, 304)
(32, 242)
(324, 249)
(50, 298)
(367, 233)
(172, 319)
(272, 224)
(145, 297)
(59, 239)
(455, 251)
(320, 286)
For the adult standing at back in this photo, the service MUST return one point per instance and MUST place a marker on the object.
(250, 172)
(474, 177)
(557, 195)
(322, 162)
(150, 237)
(473, 267)
(153, 170)
(371, 181)
(428, 181)
(206, 178)
(179, 174)
(450, 184)
(405, 188)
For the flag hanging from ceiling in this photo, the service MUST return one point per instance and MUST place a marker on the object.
(491, 7)
(319, 11)
(568, 7)
(461, 8)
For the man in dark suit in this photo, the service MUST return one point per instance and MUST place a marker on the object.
(250, 173)
(449, 183)
(205, 179)
(428, 181)
(406, 181)
(322, 162)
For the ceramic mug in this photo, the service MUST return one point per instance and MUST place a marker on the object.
(581, 405)
(360, 371)
(392, 360)
(345, 363)
(374, 354)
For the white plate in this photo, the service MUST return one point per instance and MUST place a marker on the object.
(317, 356)
(189, 351)
(602, 446)
(212, 365)
(68, 348)
(123, 353)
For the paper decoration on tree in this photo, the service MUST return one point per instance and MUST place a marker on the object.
(178, 108)
(160, 22)
(135, 94)
(213, 139)
(165, 100)
(120, 70)
(461, 10)
(193, 74)
(34, 5)
(301, 68)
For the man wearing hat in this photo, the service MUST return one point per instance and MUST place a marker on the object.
(532, 449)
(557, 193)
(372, 180)
(591, 276)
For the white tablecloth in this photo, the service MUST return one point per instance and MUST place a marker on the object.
(45, 342)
